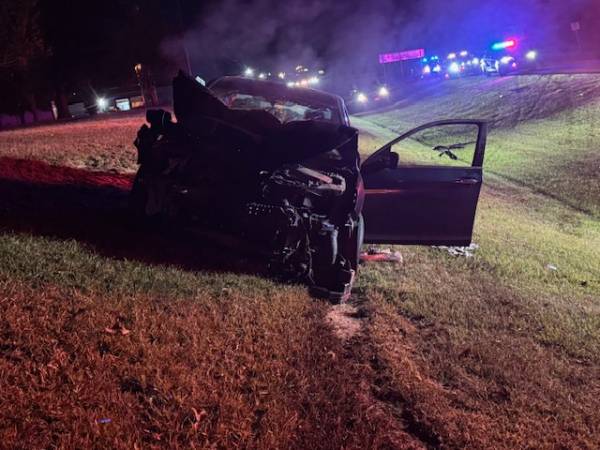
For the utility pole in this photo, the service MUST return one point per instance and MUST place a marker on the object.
(575, 27)
(183, 44)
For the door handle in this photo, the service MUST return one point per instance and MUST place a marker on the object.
(467, 181)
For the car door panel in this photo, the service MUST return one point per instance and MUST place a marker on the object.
(425, 205)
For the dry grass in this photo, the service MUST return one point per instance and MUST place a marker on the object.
(463, 351)
(103, 143)
(223, 370)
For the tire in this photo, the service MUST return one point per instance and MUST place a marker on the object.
(138, 197)
(354, 244)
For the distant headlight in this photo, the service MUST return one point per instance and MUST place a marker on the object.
(262, 76)
(384, 92)
(361, 98)
(454, 68)
(506, 59)
(531, 55)
(475, 61)
(102, 103)
(437, 68)
(249, 71)
(427, 70)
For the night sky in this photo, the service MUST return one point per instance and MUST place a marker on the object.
(100, 41)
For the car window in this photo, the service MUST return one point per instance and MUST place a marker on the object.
(284, 110)
(443, 145)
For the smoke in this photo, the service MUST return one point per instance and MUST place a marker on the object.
(280, 35)
(347, 35)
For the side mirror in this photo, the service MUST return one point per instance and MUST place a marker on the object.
(387, 160)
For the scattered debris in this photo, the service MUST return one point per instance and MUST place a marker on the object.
(552, 267)
(117, 328)
(104, 420)
(198, 417)
(467, 252)
(377, 254)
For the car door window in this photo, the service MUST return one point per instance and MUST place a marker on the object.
(443, 145)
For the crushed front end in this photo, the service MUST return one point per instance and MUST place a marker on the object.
(293, 190)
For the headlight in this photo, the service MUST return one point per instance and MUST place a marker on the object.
(427, 70)
(102, 103)
(384, 92)
(437, 68)
(531, 55)
(454, 68)
(313, 80)
(281, 75)
(249, 71)
(361, 98)
(262, 76)
(506, 59)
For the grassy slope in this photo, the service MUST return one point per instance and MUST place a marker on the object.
(495, 351)
(504, 322)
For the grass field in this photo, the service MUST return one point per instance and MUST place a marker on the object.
(112, 339)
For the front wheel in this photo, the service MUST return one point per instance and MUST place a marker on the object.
(353, 245)
(138, 198)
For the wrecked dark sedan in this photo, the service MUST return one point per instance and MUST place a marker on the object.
(279, 168)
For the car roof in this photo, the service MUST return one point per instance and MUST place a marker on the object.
(279, 90)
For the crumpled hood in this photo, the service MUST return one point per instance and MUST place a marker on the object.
(258, 133)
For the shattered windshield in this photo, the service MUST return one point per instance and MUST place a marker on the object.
(285, 110)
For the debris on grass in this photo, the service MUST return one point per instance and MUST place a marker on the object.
(381, 255)
(551, 267)
(467, 252)
(117, 328)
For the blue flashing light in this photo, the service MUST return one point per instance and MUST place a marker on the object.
(425, 60)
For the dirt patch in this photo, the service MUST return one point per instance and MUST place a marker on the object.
(344, 320)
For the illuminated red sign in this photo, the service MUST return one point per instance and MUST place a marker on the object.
(386, 58)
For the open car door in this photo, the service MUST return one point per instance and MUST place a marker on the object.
(423, 187)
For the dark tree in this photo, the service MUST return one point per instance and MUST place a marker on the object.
(22, 49)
